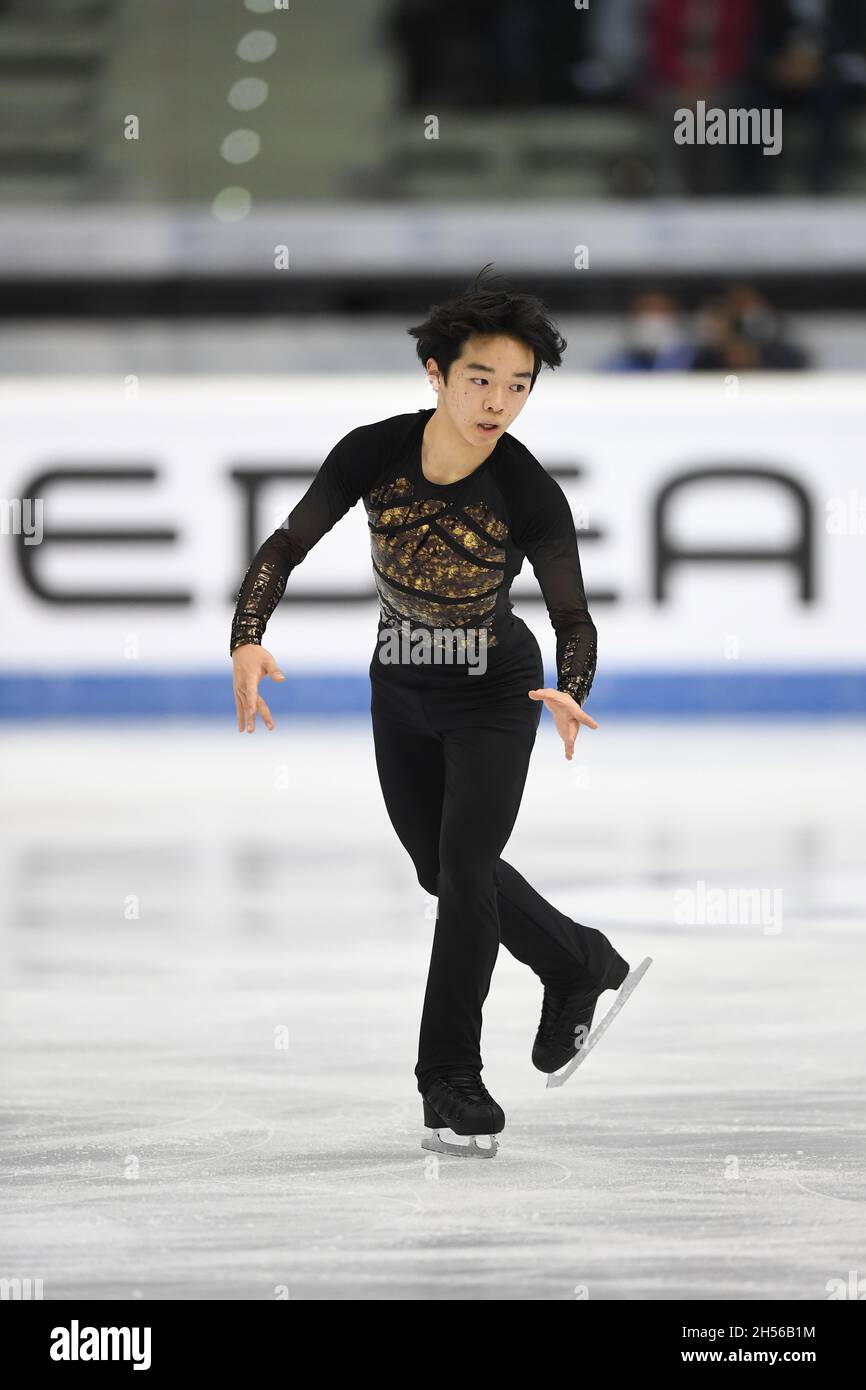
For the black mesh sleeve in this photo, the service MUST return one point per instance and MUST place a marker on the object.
(545, 533)
(346, 474)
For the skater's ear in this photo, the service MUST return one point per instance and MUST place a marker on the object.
(434, 376)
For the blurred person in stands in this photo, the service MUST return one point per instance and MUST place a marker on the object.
(713, 332)
(655, 341)
(815, 70)
(801, 57)
(741, 331)
(617, 48)
(755, 322)
(696, 50)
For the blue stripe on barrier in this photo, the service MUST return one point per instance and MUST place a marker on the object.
(632, 694)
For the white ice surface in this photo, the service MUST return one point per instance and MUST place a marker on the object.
(175, 896)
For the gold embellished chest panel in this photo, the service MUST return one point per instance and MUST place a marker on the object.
(437, 561)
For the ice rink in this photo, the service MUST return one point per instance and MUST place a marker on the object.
(214, 952)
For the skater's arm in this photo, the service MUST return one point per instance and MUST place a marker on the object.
(547, 537)
(347, 472)
(543, 528)
(342, 479)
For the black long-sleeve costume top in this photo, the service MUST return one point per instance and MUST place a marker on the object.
(444, 555)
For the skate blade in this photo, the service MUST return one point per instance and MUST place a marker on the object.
(629, 984)
(445, 1141)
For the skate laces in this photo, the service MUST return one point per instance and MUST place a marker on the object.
(466, 1083)
(556, 1007)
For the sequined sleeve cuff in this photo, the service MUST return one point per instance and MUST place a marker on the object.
(246, 630)
(577, 668)
(262, 587)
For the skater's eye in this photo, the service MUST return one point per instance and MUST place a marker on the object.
(482, 381)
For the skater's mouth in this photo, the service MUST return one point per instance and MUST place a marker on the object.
(487, 429)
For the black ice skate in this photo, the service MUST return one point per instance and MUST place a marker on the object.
(564, 1037)
(459, 1112)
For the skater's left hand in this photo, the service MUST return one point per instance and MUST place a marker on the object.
(567, 715)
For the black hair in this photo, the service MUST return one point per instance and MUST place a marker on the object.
(487, 307)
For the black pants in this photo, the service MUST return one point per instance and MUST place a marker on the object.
(452, 789)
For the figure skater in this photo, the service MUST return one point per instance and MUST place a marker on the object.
(454, 503)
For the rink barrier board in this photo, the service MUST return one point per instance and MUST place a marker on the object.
(638, 694)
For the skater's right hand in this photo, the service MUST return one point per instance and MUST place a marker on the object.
(250, 664)
(567, 715)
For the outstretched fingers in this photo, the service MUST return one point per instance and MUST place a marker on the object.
(265, 712)
(567, 715)
(583, 718)
(247, 700)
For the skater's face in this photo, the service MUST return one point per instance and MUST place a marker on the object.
(488, 384)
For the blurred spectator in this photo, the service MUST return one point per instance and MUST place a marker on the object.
(741, 331)
(738, 330)
(816, 69)
(712, 335)
(655, 340)
(755, 326)
(698, 50)
(617, 37)
(805, 58)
